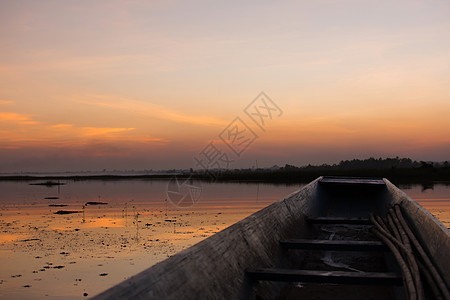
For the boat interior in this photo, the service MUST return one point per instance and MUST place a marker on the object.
(334, 255)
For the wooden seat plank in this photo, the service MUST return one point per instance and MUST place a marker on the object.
(331, 220)
(332, 277)
(333, 245)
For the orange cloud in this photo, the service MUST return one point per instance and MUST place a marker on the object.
(6, 102)
(62, 126)
(38, 134)
(152, 110)
(96, 131)
(16, 118)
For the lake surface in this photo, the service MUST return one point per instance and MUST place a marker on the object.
(77, 255)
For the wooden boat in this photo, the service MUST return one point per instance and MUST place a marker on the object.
(317, 243)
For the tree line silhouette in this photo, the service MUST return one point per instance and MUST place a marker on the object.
(395, 169)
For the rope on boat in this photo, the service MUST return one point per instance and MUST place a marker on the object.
(411, 258)
(394, 246)
(398, 236)
(407, 278)
(426, 260)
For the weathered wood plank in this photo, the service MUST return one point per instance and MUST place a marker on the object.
(355, 180)
(334, 277)
(331, 220)
(335, 245)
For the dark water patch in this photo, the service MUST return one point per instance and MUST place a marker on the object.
(95, 203)
(67, 212)
(58, 267)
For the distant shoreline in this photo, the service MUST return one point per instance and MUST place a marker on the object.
(407, 175)
(397, 170)
(83, 177)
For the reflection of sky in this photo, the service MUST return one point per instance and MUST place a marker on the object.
(437, 195)
(151, 192)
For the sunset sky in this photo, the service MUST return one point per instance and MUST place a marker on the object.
(92, 85)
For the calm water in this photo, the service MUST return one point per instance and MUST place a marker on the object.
(46, 255)
(153, 194)
(142, 194)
